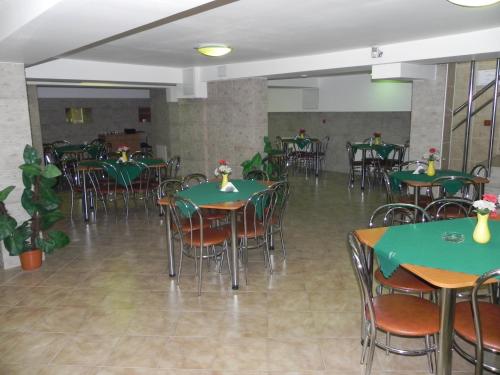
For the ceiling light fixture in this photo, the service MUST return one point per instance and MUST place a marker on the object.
(214, 50)
(474, 3)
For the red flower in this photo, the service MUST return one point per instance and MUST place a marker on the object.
(490, 198)
(432, 150)
(222, 162)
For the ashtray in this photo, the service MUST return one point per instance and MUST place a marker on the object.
(453, 237)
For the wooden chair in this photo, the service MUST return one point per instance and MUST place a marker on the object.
(478, 323)
(395, 314)
(197, 240)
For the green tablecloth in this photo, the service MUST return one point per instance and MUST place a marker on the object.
(383, 150)
(209, 193)
(93, 150)
(301, 142)
(422, 245)
(124, 171)
(451, 187)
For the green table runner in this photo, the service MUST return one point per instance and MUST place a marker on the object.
(123, 171)
(93, 150)
(301, 142)
(451, 186)
(422, 245)
(209, 193)
(383, 150)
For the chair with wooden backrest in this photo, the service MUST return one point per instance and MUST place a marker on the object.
(478, 323)
(395, 314)
(454, 187)
(282, 194)
(479, 170)
(74, 179)
(449, 208)
(194, 179)
(173, 166)
(197, 240)
(255, 226)
(400, 214)
(355, 166)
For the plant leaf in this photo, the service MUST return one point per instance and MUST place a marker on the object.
(27, 181)
(5, 193)
(7, 226)
(50, 218)
(31, 170)
(46, 245)
(48, 199)
(27, 202)
(60, 238)
(48, 182)
(51, 171)
(17, 242)
(30, 155)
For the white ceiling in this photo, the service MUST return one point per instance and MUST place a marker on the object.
(256, 29)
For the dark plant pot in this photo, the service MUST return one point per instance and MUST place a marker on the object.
(31, 260)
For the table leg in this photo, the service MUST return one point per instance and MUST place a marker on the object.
(170, 245)
(234, 250)
(317, 160)
(158, 193)
(85, 207)
(363, 171)
(447, 318)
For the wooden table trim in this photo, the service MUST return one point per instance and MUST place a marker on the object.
(435, 276)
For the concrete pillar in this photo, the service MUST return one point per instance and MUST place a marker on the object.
(16, 133)
(159, 136)
(36, 129)
(428, 115)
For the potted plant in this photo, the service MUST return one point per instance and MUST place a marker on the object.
(32, 237)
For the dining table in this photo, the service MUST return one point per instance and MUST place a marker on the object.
(434, 252)
(208, 195)
(303, 143)
(382, 150)
(133, 170)
(422, 180)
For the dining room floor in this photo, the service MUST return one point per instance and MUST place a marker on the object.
(106, 305)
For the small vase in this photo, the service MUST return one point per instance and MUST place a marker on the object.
(124, 156)
(225, 180)
(377, 141)
(431, 169)
(302, 135)
(482, 231)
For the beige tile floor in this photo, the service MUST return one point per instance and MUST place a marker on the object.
(105, 304)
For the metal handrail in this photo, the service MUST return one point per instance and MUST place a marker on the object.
(474, 112)
(476, 95)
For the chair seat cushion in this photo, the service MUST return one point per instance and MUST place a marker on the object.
(405, 281)
(211, 236)
(490, 323)
(406, 315)
(252, 230)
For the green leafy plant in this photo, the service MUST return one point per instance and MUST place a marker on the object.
(40, 202)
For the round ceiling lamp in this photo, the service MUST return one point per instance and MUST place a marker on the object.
(214, 50)
(474, 3)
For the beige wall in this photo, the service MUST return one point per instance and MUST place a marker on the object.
(16, 133)
(230, 124)
(478, 150)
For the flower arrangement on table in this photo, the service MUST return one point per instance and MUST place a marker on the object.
(377, 138)
(302, 133)
(431, 156)
(223, 170)
(484, 208)
(123, 150)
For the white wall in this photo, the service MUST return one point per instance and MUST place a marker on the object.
(347, 93)
(91, 93)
